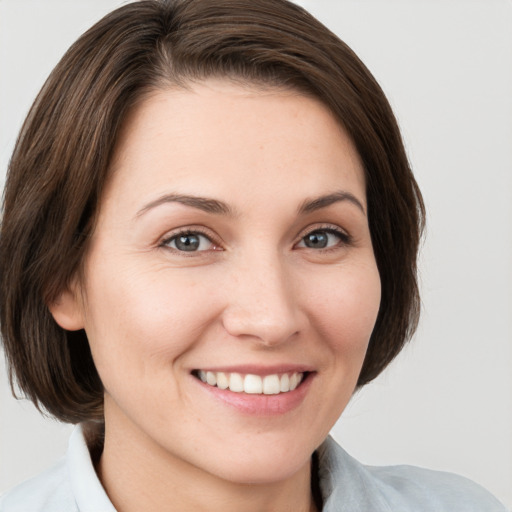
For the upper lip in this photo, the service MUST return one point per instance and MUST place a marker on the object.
(261, 370)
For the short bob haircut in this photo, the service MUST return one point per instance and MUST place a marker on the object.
(61, 163)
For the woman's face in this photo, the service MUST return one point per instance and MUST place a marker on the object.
(232, 246)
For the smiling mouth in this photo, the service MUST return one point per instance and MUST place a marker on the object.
(274, 384)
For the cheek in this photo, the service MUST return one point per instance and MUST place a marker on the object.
(345, 308)
(146, 321)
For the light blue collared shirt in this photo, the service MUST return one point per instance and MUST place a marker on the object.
(345, 484)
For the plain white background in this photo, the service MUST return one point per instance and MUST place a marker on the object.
(446, 403)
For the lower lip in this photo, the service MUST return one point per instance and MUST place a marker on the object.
(258, 404)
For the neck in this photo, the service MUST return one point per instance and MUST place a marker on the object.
(138, 477)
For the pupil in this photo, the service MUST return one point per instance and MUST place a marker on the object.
(316, 240)
(187, 242)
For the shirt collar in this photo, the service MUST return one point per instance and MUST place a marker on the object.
(345, 484)
(85, 484)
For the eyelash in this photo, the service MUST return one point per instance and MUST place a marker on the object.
(345, 239)
(186, 232)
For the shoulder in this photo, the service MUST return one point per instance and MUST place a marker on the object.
(395, 488)
(49, 492)
(70, 486)
(432, 490)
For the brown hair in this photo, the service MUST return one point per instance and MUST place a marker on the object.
(61, 162)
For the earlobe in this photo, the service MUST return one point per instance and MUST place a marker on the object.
(66, 310)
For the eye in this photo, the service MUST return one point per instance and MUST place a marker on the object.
(189, 241)
(323, 239)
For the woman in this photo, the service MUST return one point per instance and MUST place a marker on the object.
(209, 241)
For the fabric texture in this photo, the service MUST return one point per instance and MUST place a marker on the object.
(345, 484)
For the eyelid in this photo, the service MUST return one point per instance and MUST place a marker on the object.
(345, 237)
(189, 230)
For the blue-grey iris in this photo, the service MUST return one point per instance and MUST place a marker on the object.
(187, 242)
(316, 240)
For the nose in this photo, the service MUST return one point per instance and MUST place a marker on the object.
(263, 304)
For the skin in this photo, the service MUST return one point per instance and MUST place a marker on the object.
(255, 295)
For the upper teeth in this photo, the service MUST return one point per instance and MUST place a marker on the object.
(253, 384)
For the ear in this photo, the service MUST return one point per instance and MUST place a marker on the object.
(67, 310)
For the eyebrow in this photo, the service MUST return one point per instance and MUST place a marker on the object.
(215, 206)
(311, 205)
(201, 203)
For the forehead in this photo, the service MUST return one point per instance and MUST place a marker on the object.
(231, 141)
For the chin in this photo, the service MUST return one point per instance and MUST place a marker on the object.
(264, 463)
(261, 472)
